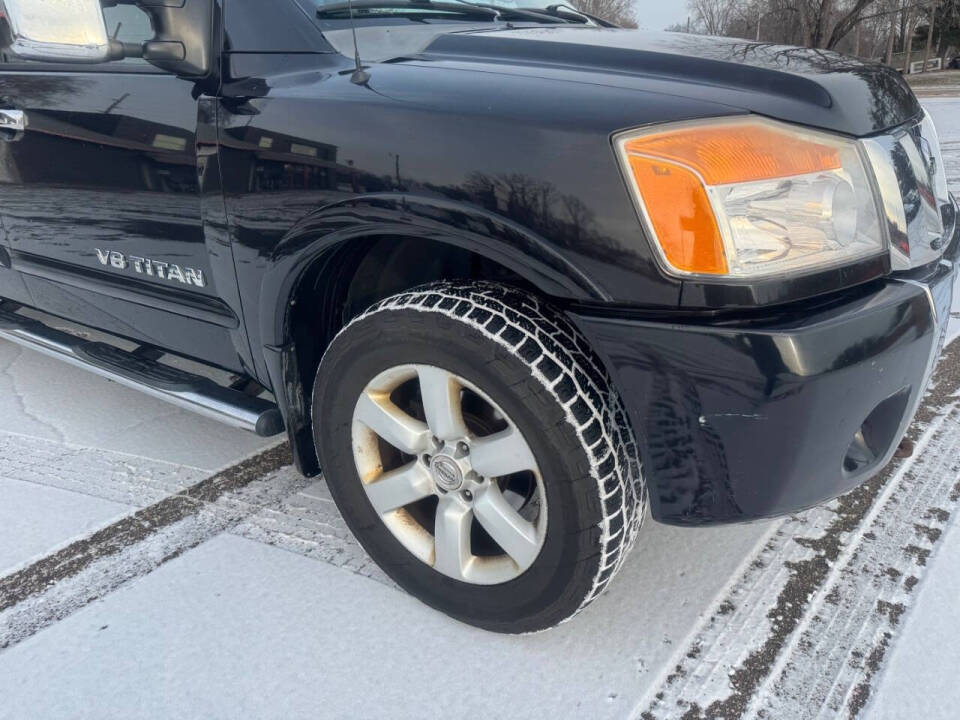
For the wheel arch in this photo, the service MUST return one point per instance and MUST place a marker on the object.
(309, 291)
(445, 222)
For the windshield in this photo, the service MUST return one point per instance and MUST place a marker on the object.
(535, 11)
(415, 7)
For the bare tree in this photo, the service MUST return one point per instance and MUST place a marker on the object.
(713, 16)
(846, 21)
(825, 23)
(860, 26)
(619, 12)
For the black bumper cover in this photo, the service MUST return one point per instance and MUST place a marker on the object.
(741, 423)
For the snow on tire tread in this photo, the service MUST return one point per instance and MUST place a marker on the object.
(560, 358)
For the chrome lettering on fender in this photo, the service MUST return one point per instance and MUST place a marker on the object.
(152, 268)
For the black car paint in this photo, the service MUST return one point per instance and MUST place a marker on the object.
(111, 161)
(418, 147)
(721, 440)
(294, 160)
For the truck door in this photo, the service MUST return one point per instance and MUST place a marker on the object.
(109, 205)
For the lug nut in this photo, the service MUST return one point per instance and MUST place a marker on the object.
(463, 448)
(426, 459)
(467, 495)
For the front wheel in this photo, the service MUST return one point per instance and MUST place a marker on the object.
(479, 453)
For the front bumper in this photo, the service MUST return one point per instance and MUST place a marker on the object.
(765, 419)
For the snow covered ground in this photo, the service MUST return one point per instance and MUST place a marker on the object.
(146, 573)
(920, 679)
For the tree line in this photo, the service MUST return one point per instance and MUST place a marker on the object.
(867, 28)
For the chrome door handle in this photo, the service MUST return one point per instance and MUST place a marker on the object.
(13, 120)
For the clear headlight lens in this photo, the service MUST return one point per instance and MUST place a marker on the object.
(749, 197)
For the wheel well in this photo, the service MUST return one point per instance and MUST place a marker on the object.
(347, 280)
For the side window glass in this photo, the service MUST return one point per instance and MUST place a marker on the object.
(125, 23)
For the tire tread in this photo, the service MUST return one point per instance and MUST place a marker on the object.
(562, 361)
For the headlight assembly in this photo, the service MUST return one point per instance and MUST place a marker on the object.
(749, 198)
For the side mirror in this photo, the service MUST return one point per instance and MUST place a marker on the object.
(58, 30)
(183, 40)
(74, 31)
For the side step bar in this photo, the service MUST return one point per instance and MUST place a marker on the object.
(141, 372)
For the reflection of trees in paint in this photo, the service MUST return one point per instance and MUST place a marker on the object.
(909, 188)
(889, 92)
(43, 90)
(536, 204)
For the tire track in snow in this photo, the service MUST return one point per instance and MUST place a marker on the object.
(305, 521)
(804, 630)
(105, 474)
(839, 647)
(308, 523)
(262, 499)
(59, 584)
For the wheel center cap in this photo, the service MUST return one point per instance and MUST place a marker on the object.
(446, 472)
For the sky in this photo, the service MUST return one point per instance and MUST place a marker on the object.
(657, 14)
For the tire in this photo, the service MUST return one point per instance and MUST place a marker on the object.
(527, 370)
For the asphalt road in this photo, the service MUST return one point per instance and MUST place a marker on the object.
(154, 564)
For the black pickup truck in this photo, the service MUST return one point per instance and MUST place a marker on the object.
(503, 272)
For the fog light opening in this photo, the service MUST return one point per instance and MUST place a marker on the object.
(876, 437)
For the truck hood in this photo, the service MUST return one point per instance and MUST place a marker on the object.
(812, 87)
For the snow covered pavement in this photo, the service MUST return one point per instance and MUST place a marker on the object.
(154, 564)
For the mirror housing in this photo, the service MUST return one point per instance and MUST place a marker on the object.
(58, 30)
(183, 40)
(74, 31)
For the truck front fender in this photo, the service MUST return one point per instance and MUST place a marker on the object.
(321, 234)
(492, 236)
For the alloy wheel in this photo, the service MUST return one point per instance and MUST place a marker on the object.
(449, 474)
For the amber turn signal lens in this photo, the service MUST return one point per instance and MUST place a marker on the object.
(675, 172)
(681, 215)
(738, 154)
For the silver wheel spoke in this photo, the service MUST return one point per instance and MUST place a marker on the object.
(392, 424)
(513, 533)
(399, 488)
(501, 454)
(451, 467)
(440, 392)
(452, 538)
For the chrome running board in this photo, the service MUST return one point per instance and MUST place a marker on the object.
(140, 372)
